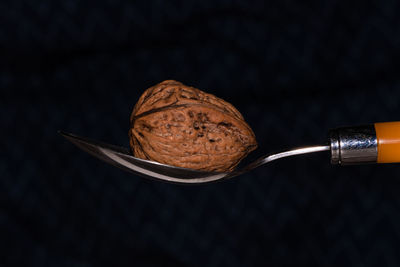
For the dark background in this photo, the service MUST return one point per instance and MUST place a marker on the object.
(294, 70)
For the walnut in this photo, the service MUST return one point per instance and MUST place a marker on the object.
(182, 126)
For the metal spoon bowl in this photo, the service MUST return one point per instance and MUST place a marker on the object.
(122, 158)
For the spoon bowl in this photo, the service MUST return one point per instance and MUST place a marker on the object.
(122, 158)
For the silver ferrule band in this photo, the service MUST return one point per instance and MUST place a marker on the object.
(353, 145)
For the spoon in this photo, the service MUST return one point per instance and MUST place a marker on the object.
(374, 143)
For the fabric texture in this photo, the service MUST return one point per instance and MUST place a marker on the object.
(293, 69)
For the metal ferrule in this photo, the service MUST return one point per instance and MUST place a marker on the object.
(353, 145)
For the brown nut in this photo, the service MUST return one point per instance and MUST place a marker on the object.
(182, 126)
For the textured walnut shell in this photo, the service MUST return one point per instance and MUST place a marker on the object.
(182, 126)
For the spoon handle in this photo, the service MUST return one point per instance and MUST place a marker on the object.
(388, 136)
(374, 143)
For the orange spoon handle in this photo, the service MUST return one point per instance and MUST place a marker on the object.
(372, 143)
(388, 139)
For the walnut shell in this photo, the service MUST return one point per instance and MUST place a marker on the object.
(182, 126)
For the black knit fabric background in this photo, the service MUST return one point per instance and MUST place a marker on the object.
(294, 70)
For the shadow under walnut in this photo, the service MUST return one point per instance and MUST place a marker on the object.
(182, 126)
